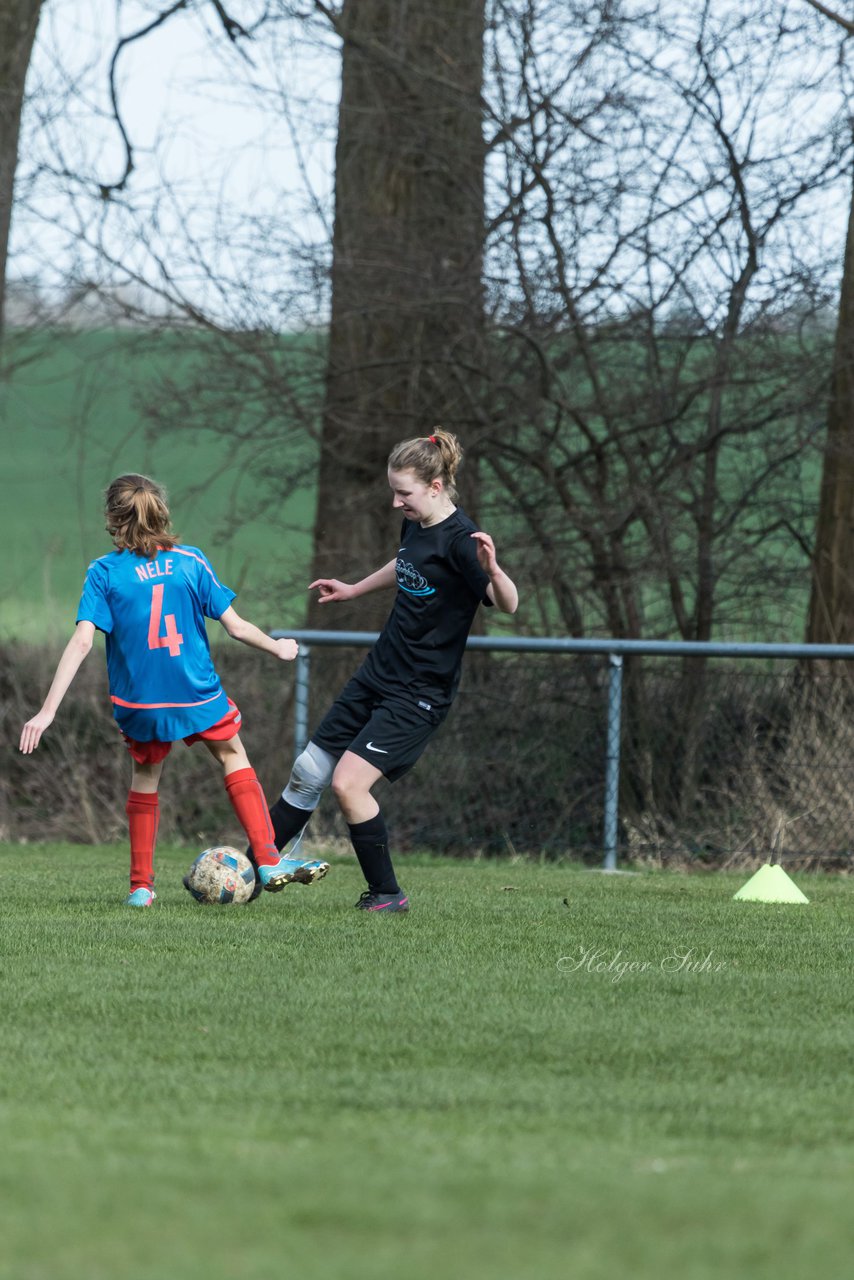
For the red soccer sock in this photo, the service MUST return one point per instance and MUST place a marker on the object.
(247, 800)
(143, 811)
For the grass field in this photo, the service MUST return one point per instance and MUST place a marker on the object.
(75, 418)
(76, 410)
(478, 1089)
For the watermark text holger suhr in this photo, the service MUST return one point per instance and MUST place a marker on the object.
(616, 965)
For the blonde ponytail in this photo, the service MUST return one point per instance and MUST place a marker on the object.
(433, 457)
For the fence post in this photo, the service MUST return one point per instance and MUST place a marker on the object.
(301, 687)
(612, 758)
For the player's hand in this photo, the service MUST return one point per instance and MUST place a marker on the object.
(33, 730)
(486, 556)
(286, 649)
(331, 589)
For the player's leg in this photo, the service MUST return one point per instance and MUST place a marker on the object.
(310, 776)
(143, 812)
(387, 746)
(247, 800)
(313, 768)
(245, 794)
(352, 783)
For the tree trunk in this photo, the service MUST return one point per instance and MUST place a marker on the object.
(407, 309)
(18, 22)
(831, 609)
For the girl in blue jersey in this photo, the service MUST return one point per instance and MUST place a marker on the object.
(150, 597)
(443, 571)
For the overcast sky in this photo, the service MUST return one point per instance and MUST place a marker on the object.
(230, 136)
(234, 158)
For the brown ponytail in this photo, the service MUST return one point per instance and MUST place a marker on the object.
(137, 516)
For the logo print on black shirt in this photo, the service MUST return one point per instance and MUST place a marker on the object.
(411, 581)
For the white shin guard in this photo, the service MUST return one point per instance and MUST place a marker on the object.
(310, 776)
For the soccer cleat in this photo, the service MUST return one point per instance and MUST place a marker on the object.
(371, 901)
(290, 871)
(140, 898)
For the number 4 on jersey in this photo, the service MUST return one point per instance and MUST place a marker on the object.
(172, 640)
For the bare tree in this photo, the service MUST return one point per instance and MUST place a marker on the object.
(654, 405)
(586, 237)
(406, 319)
(830, 619)
(18, 24)
(640, 261)
(655, 270)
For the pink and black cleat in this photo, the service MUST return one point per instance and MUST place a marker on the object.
(371, 901)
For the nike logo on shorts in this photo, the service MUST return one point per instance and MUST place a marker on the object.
(370, 746)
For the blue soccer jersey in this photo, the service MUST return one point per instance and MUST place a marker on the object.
(163, 684)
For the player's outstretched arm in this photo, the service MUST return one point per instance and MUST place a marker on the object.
(247, 633)
(331, 589)
(502, 589)
(75, 651)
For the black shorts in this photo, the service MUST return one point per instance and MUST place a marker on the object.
(390, 731)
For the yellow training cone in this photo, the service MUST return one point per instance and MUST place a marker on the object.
(770, 884)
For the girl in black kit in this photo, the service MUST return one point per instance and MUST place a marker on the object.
(386, 714)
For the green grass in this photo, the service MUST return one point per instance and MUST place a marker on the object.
(292, 1088)
(76, 417)
(78, 408)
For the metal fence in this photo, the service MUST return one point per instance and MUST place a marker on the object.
(630, 750)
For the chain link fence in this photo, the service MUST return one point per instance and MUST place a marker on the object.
(622, 752)
(629, 755)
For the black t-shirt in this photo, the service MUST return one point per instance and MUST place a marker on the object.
(439, 587)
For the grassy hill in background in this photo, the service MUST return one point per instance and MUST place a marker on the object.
(79, 408)
(74, 416)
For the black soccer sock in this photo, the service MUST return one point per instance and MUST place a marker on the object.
(288, 821)
(370, 840)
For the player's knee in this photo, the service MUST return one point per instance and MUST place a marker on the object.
(310, 776)
(348, 785)
(340, 786)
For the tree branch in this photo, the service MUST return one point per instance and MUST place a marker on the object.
(846, 23)
(233, 31)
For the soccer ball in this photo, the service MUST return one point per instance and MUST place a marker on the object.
(221, 874)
